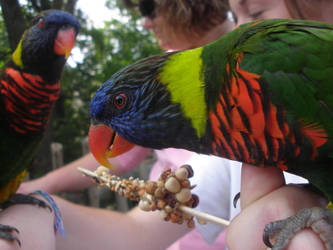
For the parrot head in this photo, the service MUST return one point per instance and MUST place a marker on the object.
(46, 44)
(134, 107)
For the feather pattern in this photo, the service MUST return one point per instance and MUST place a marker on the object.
(27, 101)
(268, 99)
(29, 87)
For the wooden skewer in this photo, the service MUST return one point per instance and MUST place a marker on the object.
(204, 216)
(89, 173)
(193, 212)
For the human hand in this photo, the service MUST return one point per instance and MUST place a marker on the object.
(33, 185)
(266, 198)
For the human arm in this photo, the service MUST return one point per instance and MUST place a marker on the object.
(67, 178)
(266, 198)
(91, 228)
(35, 225)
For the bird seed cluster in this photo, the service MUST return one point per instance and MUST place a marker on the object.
(171, 191)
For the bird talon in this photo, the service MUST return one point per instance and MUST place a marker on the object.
(318, 219)
(235, 200)
(267, 235)
(18, 241)
(16, 230)
(6, 233)
(25, 199)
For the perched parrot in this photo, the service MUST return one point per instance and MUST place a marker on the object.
(29, 87)
(262, 94)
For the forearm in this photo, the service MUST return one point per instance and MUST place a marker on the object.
(68, 178)
(89, 228)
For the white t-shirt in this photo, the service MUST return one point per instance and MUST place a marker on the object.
(218, 181)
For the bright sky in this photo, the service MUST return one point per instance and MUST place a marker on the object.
(96, 11)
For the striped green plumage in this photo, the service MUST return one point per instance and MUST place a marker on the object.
(267, 95)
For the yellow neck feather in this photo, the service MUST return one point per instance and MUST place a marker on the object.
(182, 74)
(11, 187)
(17, 55)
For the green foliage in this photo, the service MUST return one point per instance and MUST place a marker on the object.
(4, 44)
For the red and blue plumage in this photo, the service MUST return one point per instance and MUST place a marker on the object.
(29, 88)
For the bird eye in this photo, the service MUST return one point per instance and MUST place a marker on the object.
(41, 22)
(119, 101)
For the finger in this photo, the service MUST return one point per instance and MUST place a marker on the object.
(256, 182)
(279, 204)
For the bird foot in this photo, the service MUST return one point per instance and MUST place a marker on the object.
(6, 233)
(235, 200)
(318, 219)
(24, 199)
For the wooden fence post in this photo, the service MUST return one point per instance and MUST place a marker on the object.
(93, 192)
(57, 155)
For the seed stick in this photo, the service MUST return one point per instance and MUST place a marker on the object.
(104, 181)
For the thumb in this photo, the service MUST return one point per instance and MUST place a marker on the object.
(257, 182)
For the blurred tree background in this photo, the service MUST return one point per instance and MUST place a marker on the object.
(104, 51)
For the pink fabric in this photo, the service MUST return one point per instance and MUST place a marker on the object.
(194, 241)
(168, 158)
(132, 158)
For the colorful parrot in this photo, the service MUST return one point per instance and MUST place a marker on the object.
(262, 94)
(29, 89)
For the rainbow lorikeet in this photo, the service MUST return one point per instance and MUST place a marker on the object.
(29, 89)
(262, 94)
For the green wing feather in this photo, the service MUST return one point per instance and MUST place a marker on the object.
(295, 81)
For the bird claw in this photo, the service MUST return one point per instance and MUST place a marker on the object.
(25, 199)
(6, 233)
(235, 200)
(319, 219)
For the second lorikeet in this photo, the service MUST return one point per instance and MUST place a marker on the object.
(262, 94)
(29, 87)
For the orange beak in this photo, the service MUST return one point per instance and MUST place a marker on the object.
(101, 138)
(64, 42)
